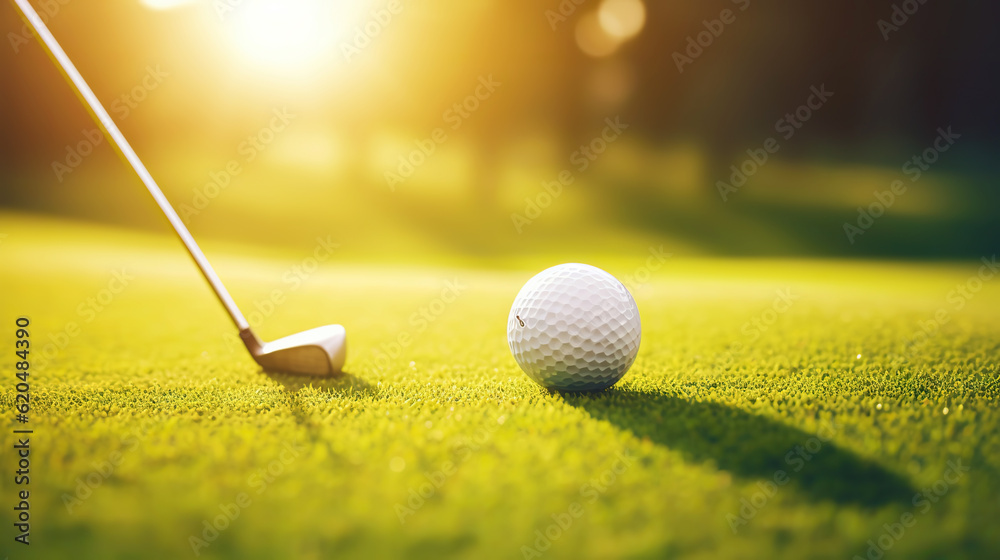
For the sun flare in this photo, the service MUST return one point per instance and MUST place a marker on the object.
(292, 35)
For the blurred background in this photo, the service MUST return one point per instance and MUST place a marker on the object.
(414, 128)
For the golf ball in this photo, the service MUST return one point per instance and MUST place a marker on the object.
(574, 327)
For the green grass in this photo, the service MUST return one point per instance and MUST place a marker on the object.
(707, 414)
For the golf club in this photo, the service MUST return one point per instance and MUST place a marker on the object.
(319, 351)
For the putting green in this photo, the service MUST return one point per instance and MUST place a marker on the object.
(776, 410)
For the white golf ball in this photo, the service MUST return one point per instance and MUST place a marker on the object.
(574, 327)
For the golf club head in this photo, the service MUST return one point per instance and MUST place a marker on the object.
(320, 351)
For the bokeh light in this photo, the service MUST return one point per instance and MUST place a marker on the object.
(189, 81)
(623, 19)
(593, 39)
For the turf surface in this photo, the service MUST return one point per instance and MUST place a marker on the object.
(152, 420)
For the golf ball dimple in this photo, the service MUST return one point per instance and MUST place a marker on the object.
(574, 327)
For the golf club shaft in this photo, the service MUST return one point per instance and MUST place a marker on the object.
(119, 140)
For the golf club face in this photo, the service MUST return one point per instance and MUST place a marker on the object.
(320, 351)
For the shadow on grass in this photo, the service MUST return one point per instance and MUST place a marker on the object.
(749, 446)
(341, 383)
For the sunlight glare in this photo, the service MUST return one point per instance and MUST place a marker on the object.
(165, 4)
(293, 35)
